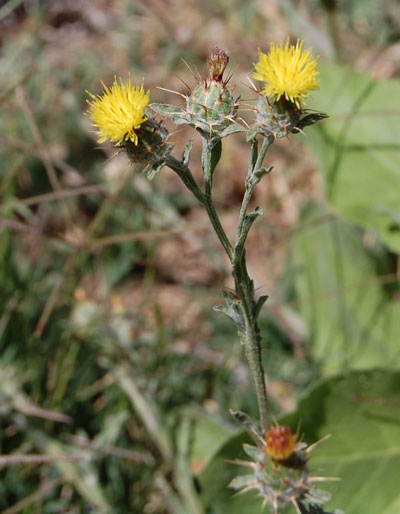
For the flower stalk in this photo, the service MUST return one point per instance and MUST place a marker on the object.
(250, 337)
(185, 174)
(247, 307)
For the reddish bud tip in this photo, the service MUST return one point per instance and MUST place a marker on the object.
(280, 443)
(217, 62)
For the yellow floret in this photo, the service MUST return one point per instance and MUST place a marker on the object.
(287, 72)
(119, 111)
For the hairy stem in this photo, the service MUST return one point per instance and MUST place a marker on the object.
(250, 337)
(248, 328)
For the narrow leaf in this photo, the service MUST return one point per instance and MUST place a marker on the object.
(253, 132)
(231, 129)
(166, 109)
(154, 170)
(241, 481)
(186, 152)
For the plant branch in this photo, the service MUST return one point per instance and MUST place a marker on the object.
(244, 309)
(205, 199)
(250, 336)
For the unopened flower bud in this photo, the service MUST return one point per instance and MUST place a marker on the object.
(216, 64)
(280, 443)
(279, 472)
(211, 105)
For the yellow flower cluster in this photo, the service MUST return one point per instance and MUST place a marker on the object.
(287, 72)
(119, 111)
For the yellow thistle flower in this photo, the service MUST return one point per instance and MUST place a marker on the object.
(288, 72)
(119, 111)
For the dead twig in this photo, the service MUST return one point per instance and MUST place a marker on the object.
(122, 453)
(11, 460)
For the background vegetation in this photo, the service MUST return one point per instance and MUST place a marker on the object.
(113, 366)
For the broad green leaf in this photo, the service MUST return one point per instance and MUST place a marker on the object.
(209, 434)
(361, 411)
(353, 321)
(359, 148)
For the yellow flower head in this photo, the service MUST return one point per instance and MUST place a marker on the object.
(119, 111)
(287, 72)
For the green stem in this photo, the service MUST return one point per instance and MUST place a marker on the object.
(210, 155)
(252, 345)
(250, 337)
(187, 178)
(249, 332)
(219, 230)
(255, 164)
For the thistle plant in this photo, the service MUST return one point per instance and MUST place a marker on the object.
(278, 465)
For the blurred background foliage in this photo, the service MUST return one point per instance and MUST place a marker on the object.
(115, 374)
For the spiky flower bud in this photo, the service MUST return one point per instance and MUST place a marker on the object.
(210, 107)
(278, 470)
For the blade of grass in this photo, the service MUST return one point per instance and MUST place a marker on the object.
(183, 476)
(146, 410)
(35, 497)
(8, 8)
(172, 501)
(80, 475)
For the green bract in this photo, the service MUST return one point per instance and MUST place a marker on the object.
(280, 118)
